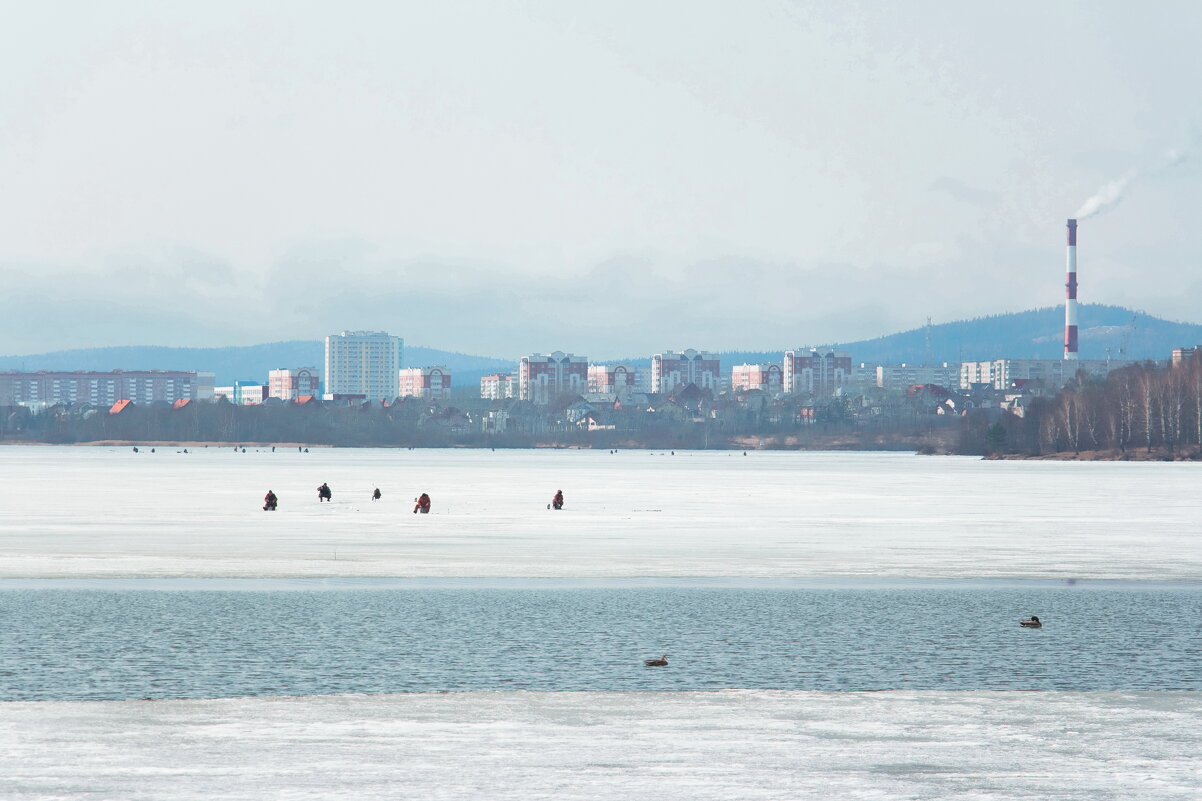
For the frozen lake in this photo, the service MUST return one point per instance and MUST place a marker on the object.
(85, 533)
(722, 745)
(85, 511)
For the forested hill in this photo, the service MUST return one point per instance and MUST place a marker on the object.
(249, 363)
(1036, 334)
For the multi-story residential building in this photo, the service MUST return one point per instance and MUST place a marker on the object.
(1053, 373)
(362, 365)
(756, 376)
(671, 369)
(818, 371)
(242, 393)
(541, 379)
(899, 377)
(1184, 355)
(249, 393)
(975, 373)
(616, 379)
(432, 383)
(863, 376)
(498, 386)
(46, 388)
(290, 384)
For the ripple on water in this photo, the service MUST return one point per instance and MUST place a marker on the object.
(87, 644)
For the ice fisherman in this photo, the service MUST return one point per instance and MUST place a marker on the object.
(324, 493)
(423, 505)
(375, 496)
(270, 501)
(557, 501)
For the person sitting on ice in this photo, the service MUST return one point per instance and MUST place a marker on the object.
(270, 501)
(324, 493)
(557, 501)
(375, 496)
(423, 505)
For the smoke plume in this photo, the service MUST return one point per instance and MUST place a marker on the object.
(1113, 191)
(1109, 195)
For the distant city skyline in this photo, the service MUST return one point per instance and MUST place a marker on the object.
(641, 176)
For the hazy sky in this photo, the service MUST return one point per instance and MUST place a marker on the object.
(605, 178)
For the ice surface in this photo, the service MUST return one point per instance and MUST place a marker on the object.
(107, 512)
(722, 745)
(81, 511)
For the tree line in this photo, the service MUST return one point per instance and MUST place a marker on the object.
(1143, 407)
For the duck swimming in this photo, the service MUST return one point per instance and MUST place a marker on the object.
(661, 662)
(1033, 623)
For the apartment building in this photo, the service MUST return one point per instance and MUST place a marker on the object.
(431, 383)
(818, 371)
(46, 388)
(899, 377)
(291, 383)
(670, 370)
(756, 376)
(363, 365)
(541, 379)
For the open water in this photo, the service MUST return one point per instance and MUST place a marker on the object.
(189, 639)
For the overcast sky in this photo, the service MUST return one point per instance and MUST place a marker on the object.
(606, 178)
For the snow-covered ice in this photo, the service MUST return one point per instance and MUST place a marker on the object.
(722, 745)
(87, 511)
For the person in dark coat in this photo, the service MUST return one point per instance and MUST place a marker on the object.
(270, 501)
(557, 501)
(423, 505)
(375, 496)
(324, 493)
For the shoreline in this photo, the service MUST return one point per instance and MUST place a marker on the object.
(1110, 455)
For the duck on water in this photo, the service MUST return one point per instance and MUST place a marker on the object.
(661, 662)
(1033, 623)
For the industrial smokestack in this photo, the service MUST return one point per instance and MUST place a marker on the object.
(1070, 303)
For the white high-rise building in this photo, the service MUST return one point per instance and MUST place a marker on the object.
(363, 365)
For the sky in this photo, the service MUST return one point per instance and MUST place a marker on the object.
(608, 179)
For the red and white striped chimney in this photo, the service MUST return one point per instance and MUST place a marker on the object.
(1070, 303)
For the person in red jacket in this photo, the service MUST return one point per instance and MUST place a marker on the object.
(423, 505)
(557, 501)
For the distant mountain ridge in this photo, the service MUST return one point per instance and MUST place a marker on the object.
(1034, 334)
(248, 362)
(1104, 331)
(1019, 335)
